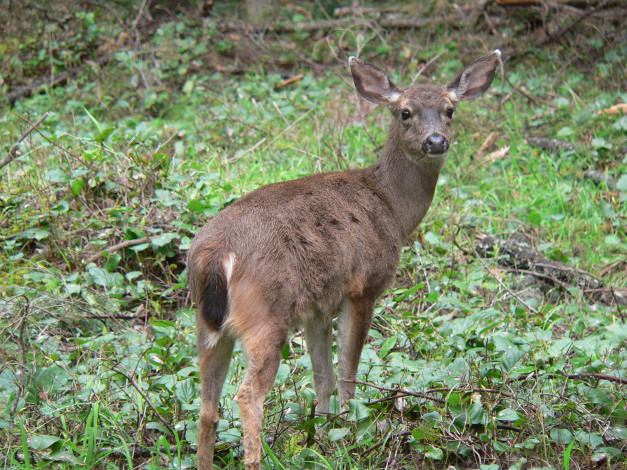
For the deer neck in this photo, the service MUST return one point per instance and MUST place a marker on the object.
(409, 182)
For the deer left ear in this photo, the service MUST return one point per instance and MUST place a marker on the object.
(474, 80)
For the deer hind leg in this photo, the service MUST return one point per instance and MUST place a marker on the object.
(263, 352)
(214, 365)
(353, 324)
(319, 337)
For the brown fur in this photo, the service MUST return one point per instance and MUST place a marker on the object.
(304, 251)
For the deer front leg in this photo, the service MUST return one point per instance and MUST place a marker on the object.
(353, 325)
(214, 365)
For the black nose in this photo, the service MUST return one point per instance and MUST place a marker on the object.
(435, 144)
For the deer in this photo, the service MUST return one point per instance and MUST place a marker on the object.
(304, 252)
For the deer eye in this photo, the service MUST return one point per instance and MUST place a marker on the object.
(450, 112)
(405, 114)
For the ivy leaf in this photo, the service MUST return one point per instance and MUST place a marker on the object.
(357, 410)
(57, 176)
(186, 391)
(76, 186)
(163, 239)
(44, 442)
(387, 346)
(507, 415)
(231, 435)
(561, 436)
(337, 434)
(510, 358)
(434, 453)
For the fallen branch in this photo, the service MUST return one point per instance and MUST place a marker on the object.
(389, 22)
(546, 143)
(498, 279)
(289, 81)
(400, 392)
(523, 3)
(601, 178)
(28, 90)
(380, 443)
(117, 247)
(20, 389)
(14, 153)
(146, 399)
(594, 375)
(553, 37)
(520, 256)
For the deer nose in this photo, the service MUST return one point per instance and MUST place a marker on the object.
(435, 144)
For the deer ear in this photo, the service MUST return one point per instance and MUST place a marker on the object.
(474, 80)
(372, 83)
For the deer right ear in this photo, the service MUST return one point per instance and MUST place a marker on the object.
(372, 83)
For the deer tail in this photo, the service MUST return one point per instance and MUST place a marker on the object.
(209, 286)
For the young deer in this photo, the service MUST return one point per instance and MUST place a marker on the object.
(307, 250)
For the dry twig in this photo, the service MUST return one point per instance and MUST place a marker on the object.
(117, 247)
(14, 152)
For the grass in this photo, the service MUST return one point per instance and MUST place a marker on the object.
(469, 363)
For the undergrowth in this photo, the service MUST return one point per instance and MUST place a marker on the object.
(470, 362)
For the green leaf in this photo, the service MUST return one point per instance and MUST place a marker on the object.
(600, 143)
(476, 414)
(43, 442)
(507, 415)
(612, 240)
(76, 186)
(565, 132)
(185, 391)
(93, 119)
(283, 373)
(57, 176)
(104, 134)
(337, 434)
(434, 453)
(567, 455)
(51, 379)
(534, 218)
(510, 358)
(560, 347)
(357, 410)
(432, 417)
(520, 465)
(602, 451)
(195, 205)
(618, 432)
(104, 278)
(140, 247)
(500, 446)
(589, 438)
(64, 455)
(432, 238)
(599, 397)
(188, 86)
(387, 345)
(164, 239)
(61, 207)
(100, 276)
(36, 233)
(232, 435)
(561, 436)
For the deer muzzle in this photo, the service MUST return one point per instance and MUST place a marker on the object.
(435, 144)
